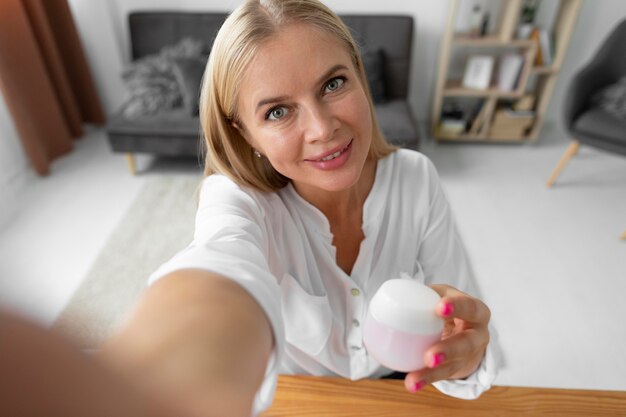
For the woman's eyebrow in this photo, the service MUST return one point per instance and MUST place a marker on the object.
(321, 79)
(330, 72)
(270, 101)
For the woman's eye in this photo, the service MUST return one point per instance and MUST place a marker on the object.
(334, 84)
(276, 113)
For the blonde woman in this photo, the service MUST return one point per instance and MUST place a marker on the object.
(304, 212)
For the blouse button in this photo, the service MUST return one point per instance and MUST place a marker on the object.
(355, 323)
(355, 292)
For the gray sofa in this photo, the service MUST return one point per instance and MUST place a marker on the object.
(386, 41)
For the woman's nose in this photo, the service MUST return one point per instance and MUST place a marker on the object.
(319, 123)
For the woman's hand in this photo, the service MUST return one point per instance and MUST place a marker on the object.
(463, 342)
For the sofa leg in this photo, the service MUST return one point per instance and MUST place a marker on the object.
(130, 158)
(571, 150)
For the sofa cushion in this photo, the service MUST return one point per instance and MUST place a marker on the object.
(374, 66)
(189, 72)
(395, 120)
(602, 129)
(151, 83)
(612, 98)
(394, 35)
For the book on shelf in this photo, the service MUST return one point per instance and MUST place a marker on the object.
(542, 38)
(509, 71)
(545, 44)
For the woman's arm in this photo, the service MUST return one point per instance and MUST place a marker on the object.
(43, 374)
(197, 339)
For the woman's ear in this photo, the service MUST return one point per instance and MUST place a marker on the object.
(242, 131)
(234, 124)
(240, 128)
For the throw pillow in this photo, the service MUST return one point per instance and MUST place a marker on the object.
(613, 99)
(188, 73)
(374, 65)
(151, 83)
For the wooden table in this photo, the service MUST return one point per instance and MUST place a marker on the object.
(299, 396)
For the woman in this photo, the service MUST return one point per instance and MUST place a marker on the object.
(305, 211)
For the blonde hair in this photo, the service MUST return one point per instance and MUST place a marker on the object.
(241, 35)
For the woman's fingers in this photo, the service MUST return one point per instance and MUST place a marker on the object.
(457, 304)
(414, 381)
(453, 358)
(458, 347)
(465, 339)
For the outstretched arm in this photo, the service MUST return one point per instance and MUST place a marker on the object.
(197, 339)
(43, 374)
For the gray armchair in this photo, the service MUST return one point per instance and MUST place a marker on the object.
(585, 121)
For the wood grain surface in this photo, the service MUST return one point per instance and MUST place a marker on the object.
(299, 396)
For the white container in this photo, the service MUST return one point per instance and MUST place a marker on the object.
(401, 324)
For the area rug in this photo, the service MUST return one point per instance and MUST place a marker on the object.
(158, 224)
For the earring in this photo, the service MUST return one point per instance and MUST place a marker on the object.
(257, 153)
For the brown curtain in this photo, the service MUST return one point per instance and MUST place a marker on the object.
(45, 78)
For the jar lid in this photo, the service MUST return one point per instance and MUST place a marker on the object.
(408, 306)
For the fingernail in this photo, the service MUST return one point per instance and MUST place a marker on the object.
(419, 385)
(448, 309)
(437, 359)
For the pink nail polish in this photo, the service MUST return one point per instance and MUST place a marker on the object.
(437, 359)
(448, 309)
(419, 385)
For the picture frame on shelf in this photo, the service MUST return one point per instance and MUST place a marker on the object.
(478, 72)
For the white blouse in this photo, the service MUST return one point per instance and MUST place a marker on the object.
(279, 248)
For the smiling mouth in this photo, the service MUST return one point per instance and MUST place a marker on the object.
(334, 155)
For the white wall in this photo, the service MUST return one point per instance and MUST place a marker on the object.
(15, 170)
(100, 32)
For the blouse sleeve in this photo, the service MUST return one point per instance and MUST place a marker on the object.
(444, 261)
(230, 240)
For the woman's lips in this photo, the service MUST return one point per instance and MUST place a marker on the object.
(333, 160)
(328, 155)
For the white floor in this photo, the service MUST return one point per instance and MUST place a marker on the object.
(65, 220)
(548, 261)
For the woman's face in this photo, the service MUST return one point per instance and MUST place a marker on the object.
(303, 107)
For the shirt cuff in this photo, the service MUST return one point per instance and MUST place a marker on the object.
(480, 380)
(265, 395)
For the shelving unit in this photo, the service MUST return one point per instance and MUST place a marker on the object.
(534, 81)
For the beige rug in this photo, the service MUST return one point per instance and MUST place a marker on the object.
(158, 224)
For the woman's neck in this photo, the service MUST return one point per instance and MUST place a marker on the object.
(339, 206)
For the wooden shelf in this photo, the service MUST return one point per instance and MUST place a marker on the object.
(496, 44)
(454, 88)
(465, 137)
(490, 41)
(441, 135)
